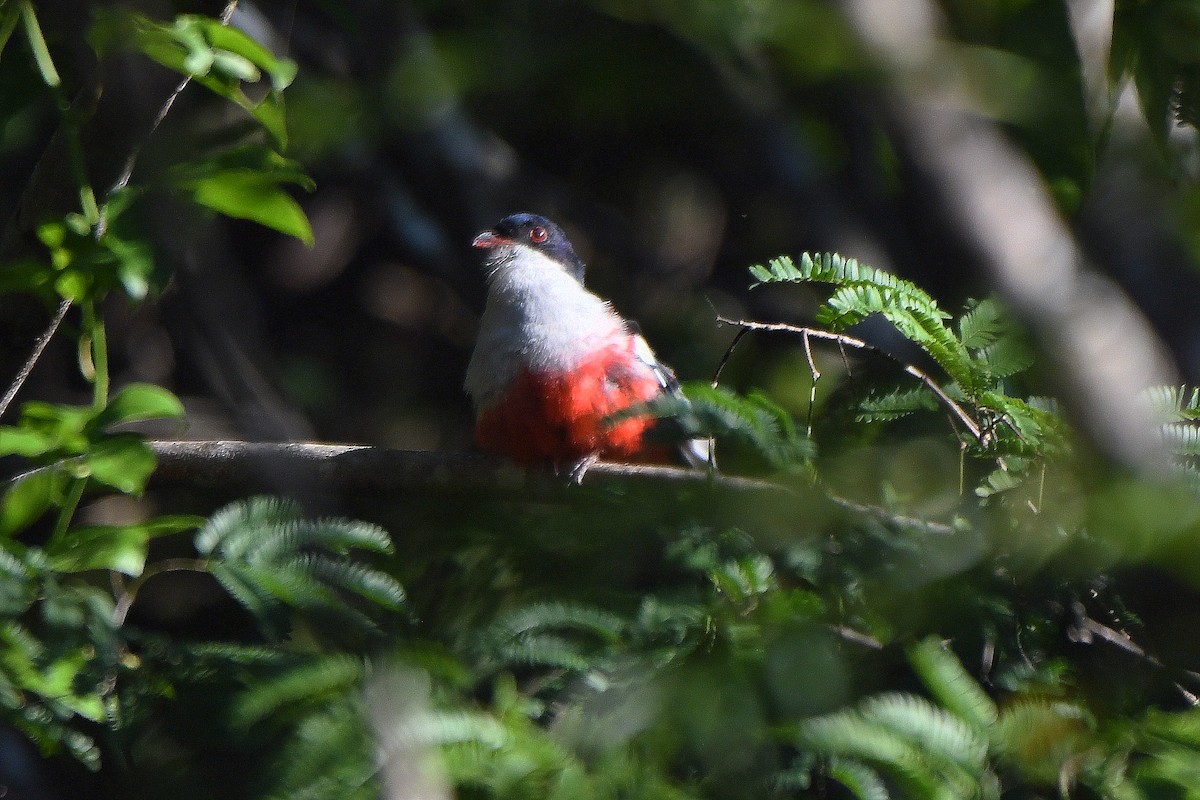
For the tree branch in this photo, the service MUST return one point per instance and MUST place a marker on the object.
(378, 471)
(977, 432)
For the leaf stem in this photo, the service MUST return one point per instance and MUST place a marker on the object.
(127, 594)
(70, 128)
(37, 44)
(67, 512)
(93, 325)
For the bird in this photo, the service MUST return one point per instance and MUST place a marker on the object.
(554, 365)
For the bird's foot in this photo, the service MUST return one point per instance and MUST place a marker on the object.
(580, 468)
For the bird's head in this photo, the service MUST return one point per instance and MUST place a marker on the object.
(518, 231)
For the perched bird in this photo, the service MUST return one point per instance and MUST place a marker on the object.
(553, 362)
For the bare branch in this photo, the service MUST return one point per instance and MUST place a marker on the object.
(891, 518)
(716, 379)
(39, 346)
(377, 471)
(843, 340)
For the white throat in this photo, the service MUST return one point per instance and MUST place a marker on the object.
(537, 317)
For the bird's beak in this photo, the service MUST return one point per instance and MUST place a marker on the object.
(489, 239)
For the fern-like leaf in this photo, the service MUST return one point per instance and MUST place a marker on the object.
(558, 615)
(981, 324)
(543, 650)
(896, 404)
(235, 528)
(754, 419)
(941, 736)
(380, 588)
(267, 556)
(943, 674)
(859, 779)
(847, 734)
(1182, 438)
(333, 534)
(304, 684)
(1006, 356)
(1040, 735)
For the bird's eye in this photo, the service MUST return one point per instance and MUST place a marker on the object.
(538, 235)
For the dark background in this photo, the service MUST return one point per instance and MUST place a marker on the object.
(677, 142)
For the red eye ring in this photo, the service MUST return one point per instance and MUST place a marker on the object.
(538, 235)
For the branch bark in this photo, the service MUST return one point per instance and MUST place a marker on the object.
(335, 469)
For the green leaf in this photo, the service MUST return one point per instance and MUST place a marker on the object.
(28, 497)
(270, 114)
(134, 264)
(117, 547)
(254, 158)
(122, 549)
(58, 680)
(862, 781)
(949, 682)
(307, 684)
(378, 587)
(252, 196)
(123, 461)
(139, 401)
(73, 285)
(25, 442)
(941, 736)
(27, 275)
(224, 37)
(234, 66)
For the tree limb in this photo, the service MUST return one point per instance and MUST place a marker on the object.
(335, 468)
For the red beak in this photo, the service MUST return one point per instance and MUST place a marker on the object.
(489, 239)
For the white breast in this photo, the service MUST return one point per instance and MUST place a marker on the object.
(537, 318)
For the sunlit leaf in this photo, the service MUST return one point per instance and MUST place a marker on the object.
(140, 401)
(28, 497)
(117, 547)
(247, 195)
(123, 461)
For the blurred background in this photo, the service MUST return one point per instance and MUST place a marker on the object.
(1042, 150)
(677, 142)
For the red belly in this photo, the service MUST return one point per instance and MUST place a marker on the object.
(564, 417)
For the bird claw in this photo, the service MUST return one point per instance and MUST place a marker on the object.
(580, 468)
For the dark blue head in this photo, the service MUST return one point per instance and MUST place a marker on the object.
(538, 233)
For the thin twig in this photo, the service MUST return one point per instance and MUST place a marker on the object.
(856, 637)
(39, 347)
(126, 173)
(882, 514)
(1086, 629)
(812, 391)
(983, 438)
(126, 595)
(845, 358)
(716, 379)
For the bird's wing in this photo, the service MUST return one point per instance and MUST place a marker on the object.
(662, 373)
(698, 452)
